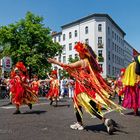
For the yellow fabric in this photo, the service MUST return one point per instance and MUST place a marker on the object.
(84, 100)
(139, 58)
(130, 75)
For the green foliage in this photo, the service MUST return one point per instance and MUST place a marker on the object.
(63, 73)
(29, 41)
(72, 60)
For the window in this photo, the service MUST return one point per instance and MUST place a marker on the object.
(70, 56)
(64, 59)
(86, 41)
(100, 27)
(64, 49)
(112, 45)
(59, 38)
(100, 53)
(112, 34)
(64, 37)
(75, 33)
(108, 55)
(108, 43)
(86, 30)
(55, 39)
(70, 35)
(99, 40)
(70, 46)
(113, 58)
(76, 55)
(109, 30)
(59, 58)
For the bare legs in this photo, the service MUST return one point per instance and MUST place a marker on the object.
(17, 110)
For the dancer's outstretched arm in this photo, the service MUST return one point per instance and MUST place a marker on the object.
(72, 65)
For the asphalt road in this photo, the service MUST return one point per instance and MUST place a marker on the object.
(45, 122)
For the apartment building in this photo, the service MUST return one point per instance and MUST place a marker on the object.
(105, 37)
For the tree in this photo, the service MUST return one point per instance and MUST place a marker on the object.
(28, 40)
(72, 60)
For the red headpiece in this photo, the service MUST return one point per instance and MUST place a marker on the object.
(81, 48)
(54, 72)
(122, 70)
(21, 66)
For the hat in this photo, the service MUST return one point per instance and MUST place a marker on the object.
(20, 66)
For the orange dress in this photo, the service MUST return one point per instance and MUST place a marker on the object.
(91, 86)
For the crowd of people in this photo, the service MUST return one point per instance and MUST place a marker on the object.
(85, 86)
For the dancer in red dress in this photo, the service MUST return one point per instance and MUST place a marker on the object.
(91, 90)
(35, 85)
(53, 93)
(119, 85)
(21, 92)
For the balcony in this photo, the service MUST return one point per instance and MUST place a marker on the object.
(100, 59)
(100, 45)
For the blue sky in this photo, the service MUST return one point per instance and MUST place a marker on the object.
(126, 13)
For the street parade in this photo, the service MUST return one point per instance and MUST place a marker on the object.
(82, 82)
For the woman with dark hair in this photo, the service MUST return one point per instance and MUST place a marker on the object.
(91, 90)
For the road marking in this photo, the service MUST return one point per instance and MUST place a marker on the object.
(11, 106)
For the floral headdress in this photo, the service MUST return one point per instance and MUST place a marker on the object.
(20, 66)
(87, 50)
(54, 72)
(81, 48)
(122, 70)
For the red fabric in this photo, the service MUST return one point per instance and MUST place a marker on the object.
(21, 92)
(17, 90)
(35, 87)
(87, 81)
(54, 89)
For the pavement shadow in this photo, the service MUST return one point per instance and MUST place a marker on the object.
(38, 112)
(132, 113)
(96, 128)
(67, 105)
(102, 128)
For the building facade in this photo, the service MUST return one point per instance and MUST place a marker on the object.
(104, 36)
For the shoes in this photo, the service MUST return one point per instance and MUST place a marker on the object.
(76, 126)
(60, 97)
(17, 112)
(109, 125)
(30, 106)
